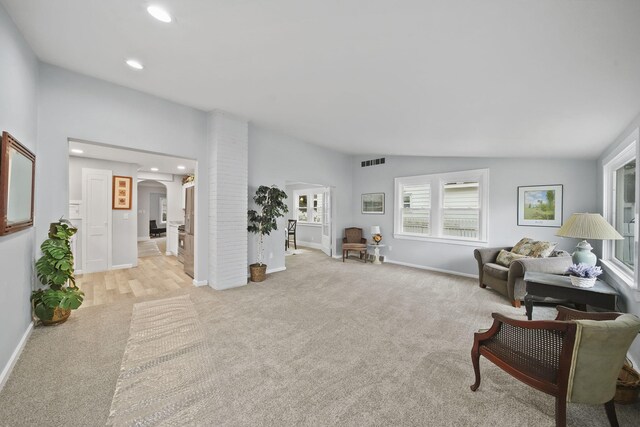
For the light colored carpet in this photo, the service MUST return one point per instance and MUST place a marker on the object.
(322, 343)
(298, 251)
(165, 377)
(148, 248)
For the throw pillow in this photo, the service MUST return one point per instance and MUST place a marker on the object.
(505, 258)
(534, 248)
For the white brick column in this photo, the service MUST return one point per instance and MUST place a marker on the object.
(228, 139)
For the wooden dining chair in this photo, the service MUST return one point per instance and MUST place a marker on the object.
(291, 231)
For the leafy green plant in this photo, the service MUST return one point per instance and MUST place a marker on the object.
(270, 200)
(55, 270)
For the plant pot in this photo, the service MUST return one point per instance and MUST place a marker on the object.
(258, 272)
(59, 316)
(582, 282)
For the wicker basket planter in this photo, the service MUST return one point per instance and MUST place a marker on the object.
(582, 282)
(60, 315)
(628, 385)
(258, 272)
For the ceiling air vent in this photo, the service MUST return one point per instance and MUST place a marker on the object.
(374, 162)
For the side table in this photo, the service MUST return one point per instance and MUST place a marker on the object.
(376, 252)
(546, 285)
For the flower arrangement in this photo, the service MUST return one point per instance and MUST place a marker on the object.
(377, 238)
(584, 270)
(583, 275)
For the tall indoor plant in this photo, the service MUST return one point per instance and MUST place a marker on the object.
(272, 206)
(53, 305)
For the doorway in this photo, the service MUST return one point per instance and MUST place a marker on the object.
(310, 214)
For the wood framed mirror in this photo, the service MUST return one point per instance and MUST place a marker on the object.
(17, 178)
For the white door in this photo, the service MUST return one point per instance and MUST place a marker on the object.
(326, 221)
(96, 199)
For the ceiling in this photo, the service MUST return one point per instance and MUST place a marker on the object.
(144, 160)
(413, 77)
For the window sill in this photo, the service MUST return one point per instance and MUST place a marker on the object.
(309, 224)
(448, 241)
(618, 274)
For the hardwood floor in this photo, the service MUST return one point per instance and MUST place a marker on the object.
(154, 275)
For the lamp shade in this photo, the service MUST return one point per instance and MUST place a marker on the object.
(588, 226)
(375, 229)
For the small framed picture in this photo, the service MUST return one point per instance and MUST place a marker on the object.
(540, 205)
(122, 192)
(373, 203)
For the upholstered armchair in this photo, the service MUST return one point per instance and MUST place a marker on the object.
(353, 241)
(576, 358)
(509, 281)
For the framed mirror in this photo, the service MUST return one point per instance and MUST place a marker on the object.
(17, 176)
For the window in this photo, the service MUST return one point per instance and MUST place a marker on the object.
(163, 209)
(308, 206)
(302, 208)
(450, 206)
(619, 172)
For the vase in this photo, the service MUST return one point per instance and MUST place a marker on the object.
(583, 282)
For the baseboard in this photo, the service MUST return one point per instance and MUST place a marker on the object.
(4, 376)
(143, 239)
(311, 245)
(437, 270)
(199, 282)
(275, 270)
(168, 253)
(121, 266)
(77, 272)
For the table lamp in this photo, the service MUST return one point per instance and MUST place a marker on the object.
(375, 232)
(587, 226)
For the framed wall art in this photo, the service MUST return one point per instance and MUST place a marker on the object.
(540, 205)
(373, 203)
(122, 192)
(17, 173)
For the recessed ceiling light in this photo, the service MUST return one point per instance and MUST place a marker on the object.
(154, 169)
(159, 13)
(135, 64)
(77, 150)
(181, 167)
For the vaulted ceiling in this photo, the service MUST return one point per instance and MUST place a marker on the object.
(532, 78)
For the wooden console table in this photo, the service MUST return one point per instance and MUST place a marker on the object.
(546, 285)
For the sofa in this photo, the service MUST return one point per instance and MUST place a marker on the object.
(509, 281)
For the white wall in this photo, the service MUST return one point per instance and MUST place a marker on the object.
(80, 107)
(505, 175)
(629, 298)
(124, 222)
(275, 158)
(18, 116)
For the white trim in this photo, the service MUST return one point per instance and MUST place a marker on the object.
(4, 376)
(168, 253)
(312, 245)
(445, 240)
(199, 283)
(275, 270)
(76, 272)
(121, 266)
(437, 270)
(143, 239)
(626, 151)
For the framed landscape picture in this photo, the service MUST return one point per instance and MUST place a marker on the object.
(122, 192)
(373, 203)
(540, 205)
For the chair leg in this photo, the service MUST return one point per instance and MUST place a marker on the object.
(475, 360)
(482, 285)
(610, 408)
(561, 411)
(295, 241)
(343, 251)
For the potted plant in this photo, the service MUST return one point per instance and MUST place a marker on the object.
(583, 275)
(272, 207)
(53, 305)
